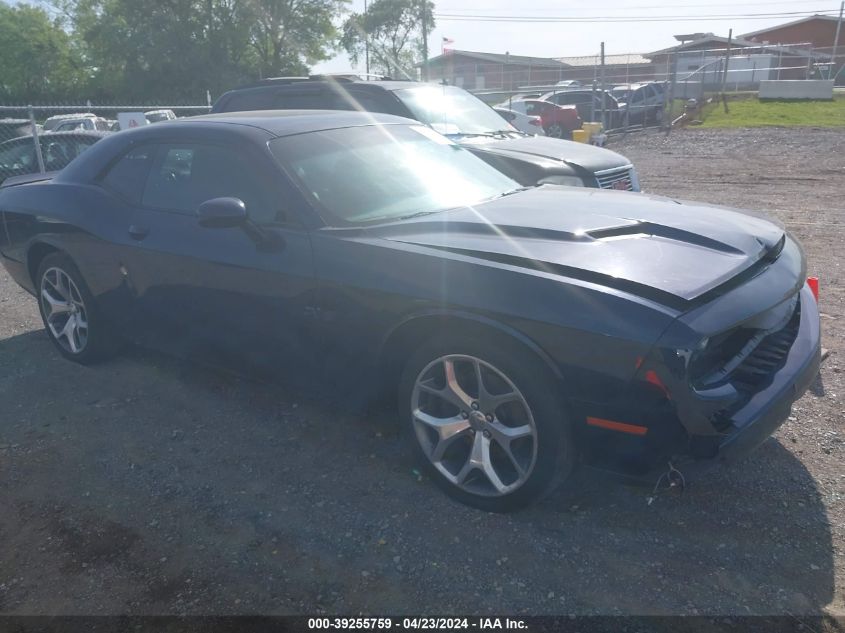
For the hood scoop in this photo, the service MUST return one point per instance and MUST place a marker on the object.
(649, 229)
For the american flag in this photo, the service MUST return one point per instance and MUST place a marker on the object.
(446, 41)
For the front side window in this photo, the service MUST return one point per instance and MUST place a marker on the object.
(186, 175)
(450, 110)
(367, 174)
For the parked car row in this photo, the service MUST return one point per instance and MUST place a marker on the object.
(557, 121)
(622, 105)
(18, 156)
(62, 138)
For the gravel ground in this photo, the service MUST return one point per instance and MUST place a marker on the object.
(148, 485)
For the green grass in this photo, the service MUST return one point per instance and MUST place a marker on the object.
(752, 112)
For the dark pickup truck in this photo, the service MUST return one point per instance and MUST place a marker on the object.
(454, 112)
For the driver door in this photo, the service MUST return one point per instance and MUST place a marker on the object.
(225, 291)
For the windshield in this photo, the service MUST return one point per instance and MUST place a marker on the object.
(451, 110)
(377, 173)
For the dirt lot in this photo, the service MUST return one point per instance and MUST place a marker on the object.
(150, 485)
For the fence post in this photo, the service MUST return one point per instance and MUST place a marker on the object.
(604, 124)
(834, 72)
(670, 93)
(35, 140)
(810, 63)
(727, 67)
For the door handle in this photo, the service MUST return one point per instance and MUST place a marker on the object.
(138, 232)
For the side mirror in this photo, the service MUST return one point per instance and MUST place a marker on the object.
(222, 213)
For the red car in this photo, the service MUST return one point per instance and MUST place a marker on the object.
(558, 121)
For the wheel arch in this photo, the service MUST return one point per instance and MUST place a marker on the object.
(35, 254)
(408, 334)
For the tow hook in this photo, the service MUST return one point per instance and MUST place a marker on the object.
(674, 479)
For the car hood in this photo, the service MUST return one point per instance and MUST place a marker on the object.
(655, 247)
(583, 155)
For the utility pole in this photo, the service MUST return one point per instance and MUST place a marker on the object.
(836, 40)
(424, 43)
(366, 42)
(603, 93)
(725, 74)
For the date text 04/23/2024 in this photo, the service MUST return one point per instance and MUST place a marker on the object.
(417, 623)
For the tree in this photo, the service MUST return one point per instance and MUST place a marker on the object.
(290, 35)
(394, 31)
(147, 50)
(37, 58)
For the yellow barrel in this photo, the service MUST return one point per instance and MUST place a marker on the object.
(592, 128)
(581, 136)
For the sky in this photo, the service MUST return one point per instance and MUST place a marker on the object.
(548, 39)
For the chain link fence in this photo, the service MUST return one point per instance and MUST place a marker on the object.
(681, 80)
(37, 139)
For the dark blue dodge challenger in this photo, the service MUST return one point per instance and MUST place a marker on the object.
(524, 329)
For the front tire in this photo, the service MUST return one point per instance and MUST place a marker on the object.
(69, 312)
(486, 422)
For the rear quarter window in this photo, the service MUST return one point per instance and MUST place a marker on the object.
(127, 176)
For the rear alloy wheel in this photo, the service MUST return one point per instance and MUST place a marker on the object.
(555, 130)
(64, 311)
(487, 426)
(69, 312)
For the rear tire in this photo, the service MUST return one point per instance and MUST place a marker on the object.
(498, 447)
(70, 314)
(555, 130)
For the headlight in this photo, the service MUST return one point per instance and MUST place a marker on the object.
(568, 181)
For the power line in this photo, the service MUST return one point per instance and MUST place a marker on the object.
(615, 18)
(450, 11)
(661, 6)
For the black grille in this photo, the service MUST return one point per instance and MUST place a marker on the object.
(756, 371)
(746, 357)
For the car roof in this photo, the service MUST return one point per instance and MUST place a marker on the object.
(295, 84)
(232, 127)
(92, 133)
(72, 115)
(287, 122)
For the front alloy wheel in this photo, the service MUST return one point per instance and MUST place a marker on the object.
(487, 420)
(474, 425)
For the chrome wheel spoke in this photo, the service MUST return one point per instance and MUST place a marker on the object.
(56, 306)
(68, 334)
(504, 435)
(448, 430)
(453, 391)
(487, 401)
(487, 465)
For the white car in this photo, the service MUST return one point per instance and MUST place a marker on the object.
(522, 122)
(54, 121)
(155, 116)
(87, 123)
